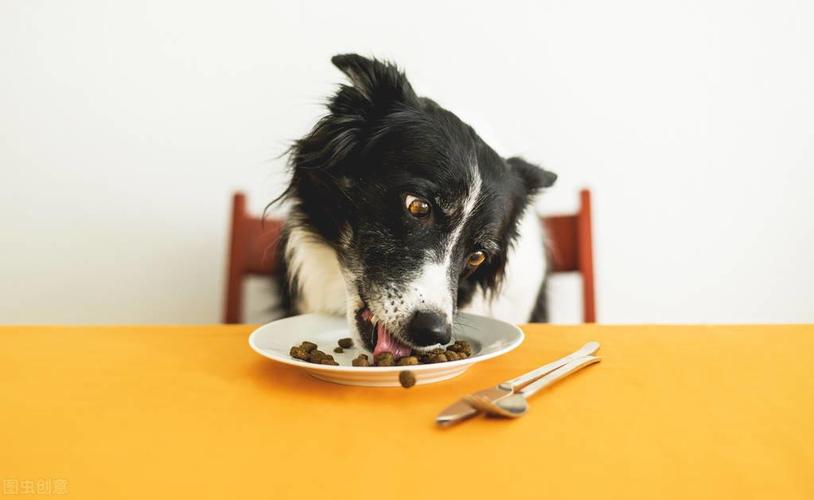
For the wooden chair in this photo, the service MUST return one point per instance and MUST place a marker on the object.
(253, 241)
(570, 245)
(252, 251)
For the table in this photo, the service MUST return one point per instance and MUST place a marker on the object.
(190, 411)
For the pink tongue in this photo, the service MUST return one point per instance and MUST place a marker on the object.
(386, 343)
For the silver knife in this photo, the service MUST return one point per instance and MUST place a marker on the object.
(461, 410)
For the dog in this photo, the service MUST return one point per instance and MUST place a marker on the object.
(401, 216)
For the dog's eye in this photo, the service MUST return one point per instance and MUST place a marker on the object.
(475, 259)
(416, 206)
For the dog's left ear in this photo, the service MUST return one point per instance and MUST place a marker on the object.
(533, 177)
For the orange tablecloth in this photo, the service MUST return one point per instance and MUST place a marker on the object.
(191, 412)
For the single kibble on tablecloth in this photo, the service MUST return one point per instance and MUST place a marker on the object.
(407, 379)
(308, 346)
(338, 350)
(346, 343)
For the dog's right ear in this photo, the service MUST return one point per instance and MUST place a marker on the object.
(380, 84)
(534, 178)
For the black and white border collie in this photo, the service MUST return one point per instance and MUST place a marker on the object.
(401, 216)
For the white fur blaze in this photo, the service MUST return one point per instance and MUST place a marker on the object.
(431, 289)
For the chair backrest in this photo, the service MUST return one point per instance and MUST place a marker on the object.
(252, 251)
(570, 245)
(253, 246)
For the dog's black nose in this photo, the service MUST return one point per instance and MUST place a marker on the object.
(429, 328)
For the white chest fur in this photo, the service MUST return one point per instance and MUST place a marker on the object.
(314, 265)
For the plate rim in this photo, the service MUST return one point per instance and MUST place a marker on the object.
(385, 369)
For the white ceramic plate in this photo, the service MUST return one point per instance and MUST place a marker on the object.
(489, 338)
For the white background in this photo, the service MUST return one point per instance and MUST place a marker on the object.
(125, 126)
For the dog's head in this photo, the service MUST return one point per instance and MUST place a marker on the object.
(420, 211)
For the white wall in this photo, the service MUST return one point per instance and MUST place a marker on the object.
(125, 126)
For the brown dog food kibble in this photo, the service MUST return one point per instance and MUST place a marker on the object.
(407, 361)
(465, 347)
(299, 353)
(316, 356)
(384, 359)
(438, 358)
(361, 360)
(309, 351)
(407, 379)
